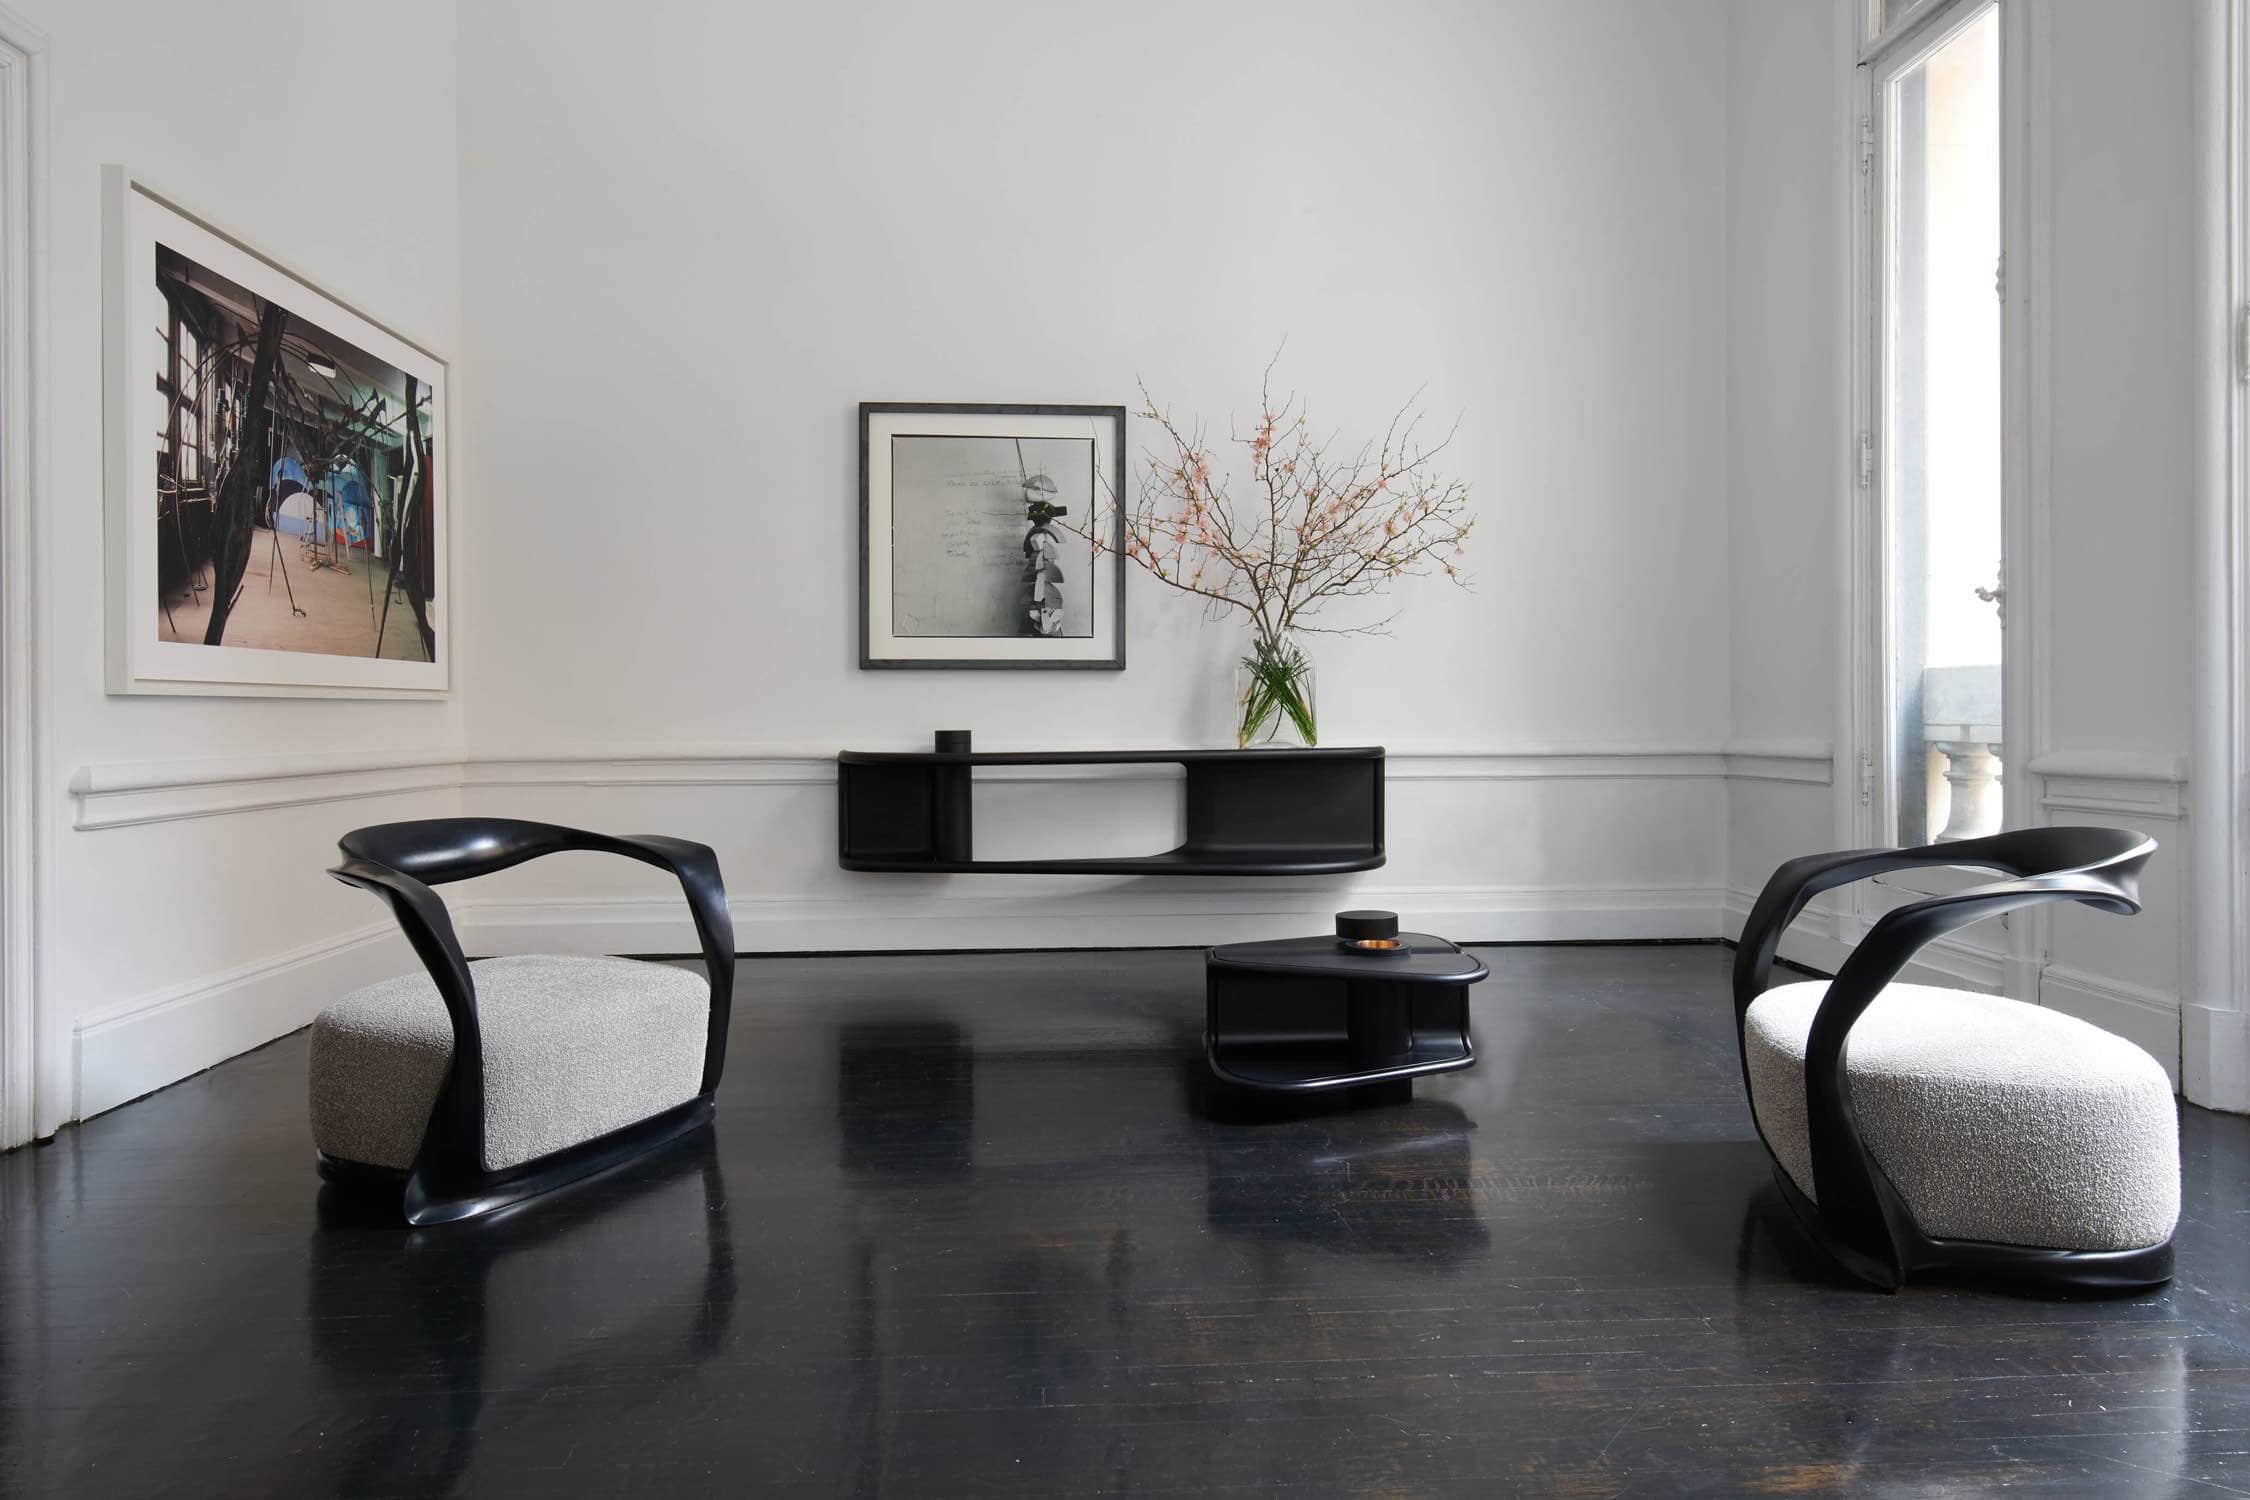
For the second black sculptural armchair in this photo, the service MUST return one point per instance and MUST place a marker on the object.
(475, 1086)
(1960, 1131)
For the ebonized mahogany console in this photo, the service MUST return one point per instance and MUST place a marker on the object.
(1249, 812)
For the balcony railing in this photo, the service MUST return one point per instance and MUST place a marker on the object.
(1961, 728)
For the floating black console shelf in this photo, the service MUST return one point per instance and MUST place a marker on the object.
(1249, 812)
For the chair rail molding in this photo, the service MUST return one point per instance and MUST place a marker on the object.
(34, 1048)
(115, 795)
(891, 917)
(729, 764)
(1809, 762)
(121, 795)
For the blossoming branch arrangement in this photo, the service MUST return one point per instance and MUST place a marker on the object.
(1309, 528)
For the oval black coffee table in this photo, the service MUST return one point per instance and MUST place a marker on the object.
(1304, 1014)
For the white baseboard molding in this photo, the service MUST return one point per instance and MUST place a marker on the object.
(167, 1035)
(1104, 919)
(163, 1037)
(1810, 942)
(2215, 1057)
(2148, 1018)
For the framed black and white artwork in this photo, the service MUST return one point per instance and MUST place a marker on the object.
(275, 475)
(991, 536)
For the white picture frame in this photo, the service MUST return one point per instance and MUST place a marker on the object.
(148, 650)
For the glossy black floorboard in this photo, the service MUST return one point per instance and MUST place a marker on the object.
(974, 1226)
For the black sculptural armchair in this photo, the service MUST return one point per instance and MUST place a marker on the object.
(475, 1086)
(1917, 1128)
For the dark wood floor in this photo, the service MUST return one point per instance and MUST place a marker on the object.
(972, 1225)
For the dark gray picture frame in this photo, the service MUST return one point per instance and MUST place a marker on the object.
(1112, 555)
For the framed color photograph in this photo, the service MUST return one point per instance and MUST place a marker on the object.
(275, 475)
(991, 536)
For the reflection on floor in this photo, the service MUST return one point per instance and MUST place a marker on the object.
(979, 1224)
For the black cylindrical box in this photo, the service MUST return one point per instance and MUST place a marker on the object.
(952, 802)
(1365, 926)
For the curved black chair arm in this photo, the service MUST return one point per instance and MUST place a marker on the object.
(459, 1114)
(696, 867)
(2023, 853)
(2099, 867)
(434, 851)
(1788, 891)
(400, 862)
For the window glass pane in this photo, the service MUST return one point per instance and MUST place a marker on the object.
(1941, 427)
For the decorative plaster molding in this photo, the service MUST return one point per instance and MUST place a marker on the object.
(116, 796)
(2112, 765)
(123, 795)
(1810, 762)
(2116, 783)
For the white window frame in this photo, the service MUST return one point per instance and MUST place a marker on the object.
(2004, 958)
(1877, 38)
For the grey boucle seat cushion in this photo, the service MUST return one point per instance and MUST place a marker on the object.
(1994, 1120)
(573, 1048)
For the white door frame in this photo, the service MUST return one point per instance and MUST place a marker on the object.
(29, 1092)
(2214, 1023)
(1863, 792)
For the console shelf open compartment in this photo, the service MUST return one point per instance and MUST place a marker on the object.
(1249, 812)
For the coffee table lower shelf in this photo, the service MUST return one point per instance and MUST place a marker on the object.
(1304, 1015)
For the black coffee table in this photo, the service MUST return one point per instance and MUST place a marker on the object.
(1305, 1014)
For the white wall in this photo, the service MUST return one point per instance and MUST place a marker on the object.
(680, 251)
(1787, 232)
(170, 943)
(2106, 267)
(692, 243)
(2115, 442)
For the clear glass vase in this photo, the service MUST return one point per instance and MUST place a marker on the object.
(1273, 695)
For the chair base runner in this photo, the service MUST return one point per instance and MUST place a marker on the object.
(2028, 1265)
(432, 1195)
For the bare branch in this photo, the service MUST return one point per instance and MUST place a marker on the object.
(1329, 528)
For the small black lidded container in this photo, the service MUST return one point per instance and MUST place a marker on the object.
(1370, 932)
(952, 806)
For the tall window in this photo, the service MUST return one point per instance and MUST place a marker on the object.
(1933, 458)
(189, 454)
(180, 447)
